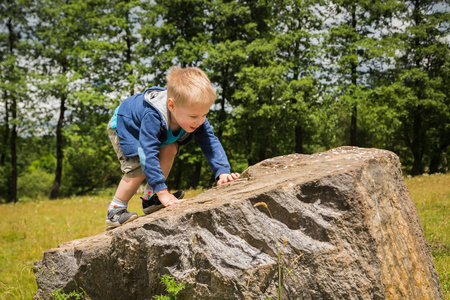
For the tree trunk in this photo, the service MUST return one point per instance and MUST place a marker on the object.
(417, 139)
(262, 152)
(222, 112)
(353, 122)
(248, 146)
(417, 164)
(196, 176)
(178, 173)
(6, 132)
(434, 161)
(437, 164)
(212, 181)
(13, 109)
(298, 139)
(128, 55)
(353, 141)
(13, 182)
(59, 149)
(416, 145)
(128, 51)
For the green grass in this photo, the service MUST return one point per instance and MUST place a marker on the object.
(431, 194)
(28, 229)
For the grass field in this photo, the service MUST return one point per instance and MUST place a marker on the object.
(431, 194)
(28, 229)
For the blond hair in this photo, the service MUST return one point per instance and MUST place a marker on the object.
(189, 86)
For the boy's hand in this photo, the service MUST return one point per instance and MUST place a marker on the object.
(167, 199)
(224, 178)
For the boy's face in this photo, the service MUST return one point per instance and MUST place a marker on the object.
(188, 117)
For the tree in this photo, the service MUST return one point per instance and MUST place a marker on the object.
(422, 81)
(228, 22)
(60, 33)
(355, 30)
(113, 46)
(90, 160)
(12, 86)
(176, 34)
(298, 35)
(230, 26)
(257, 125)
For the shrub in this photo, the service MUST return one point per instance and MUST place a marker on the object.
(171, 287)
(34, 184)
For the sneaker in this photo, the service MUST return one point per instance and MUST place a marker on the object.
(119, 216)
(153, 204)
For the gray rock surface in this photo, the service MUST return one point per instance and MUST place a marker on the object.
(341, 222)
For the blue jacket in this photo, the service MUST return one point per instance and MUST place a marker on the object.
(142, 127)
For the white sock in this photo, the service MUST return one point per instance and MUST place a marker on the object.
(117, 203)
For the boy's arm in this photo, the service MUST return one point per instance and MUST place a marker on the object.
(212, 149)
(149, 142)
(214, 153)
(148, 150)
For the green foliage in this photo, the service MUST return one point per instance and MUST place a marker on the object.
(355, 51)
(45, 163)
(290, 76)
(418, 91)
(34, 184)
(60, 295)
(171, 287)
(90, 161)
(174, 34)
(13, 87)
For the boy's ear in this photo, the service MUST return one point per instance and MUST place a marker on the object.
(170, 104)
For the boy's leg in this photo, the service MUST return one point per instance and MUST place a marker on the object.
(117, 213)
(128, 187)
(166, 157)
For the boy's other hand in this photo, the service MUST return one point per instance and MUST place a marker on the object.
(224, 178)
(167, 199)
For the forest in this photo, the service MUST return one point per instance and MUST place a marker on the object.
(291, 76)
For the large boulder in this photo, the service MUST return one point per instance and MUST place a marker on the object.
(336, 225)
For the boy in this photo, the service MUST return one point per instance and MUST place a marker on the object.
(147, 130)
